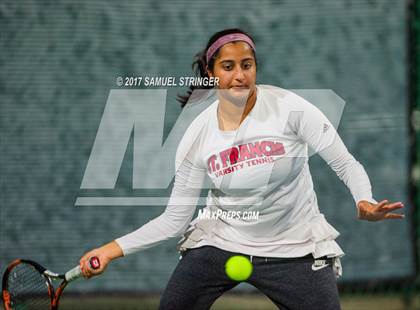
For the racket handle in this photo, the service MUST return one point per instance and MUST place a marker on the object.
(94, 262)
(73, 274)
(76, 272)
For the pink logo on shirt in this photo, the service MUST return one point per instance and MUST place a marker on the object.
(244, 152)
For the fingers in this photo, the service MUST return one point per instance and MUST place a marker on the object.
(383, 202)
(384, 207)
(84, 264)
(82, 267)
(380, 211)
(390, 207)
(394, 216)
(85, 258)
(87, 270)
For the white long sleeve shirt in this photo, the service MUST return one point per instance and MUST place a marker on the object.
(262, 202)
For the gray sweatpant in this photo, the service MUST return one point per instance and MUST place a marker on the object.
(200, 278)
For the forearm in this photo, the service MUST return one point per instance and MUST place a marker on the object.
(349, 170)
(357, 181)
(160, 229)
(313, 127)
(112, 250)
(178, 213)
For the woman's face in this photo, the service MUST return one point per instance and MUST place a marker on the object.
(236, 69)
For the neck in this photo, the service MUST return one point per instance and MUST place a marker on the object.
(235, 113)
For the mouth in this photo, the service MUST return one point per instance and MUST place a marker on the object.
(239, 87)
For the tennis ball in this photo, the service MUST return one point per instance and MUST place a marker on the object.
(238, 268)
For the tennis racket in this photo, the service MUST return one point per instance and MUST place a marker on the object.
(27, 285)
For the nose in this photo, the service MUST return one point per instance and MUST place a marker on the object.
(239, 73)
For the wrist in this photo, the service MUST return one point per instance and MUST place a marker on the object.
(112, 250)
(362, 201)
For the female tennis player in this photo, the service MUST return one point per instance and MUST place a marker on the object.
(252, 142)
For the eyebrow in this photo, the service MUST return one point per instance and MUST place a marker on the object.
(230, 60)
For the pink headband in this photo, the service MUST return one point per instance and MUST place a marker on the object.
(227, 39)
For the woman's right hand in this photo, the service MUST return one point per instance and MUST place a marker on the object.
(105, 255)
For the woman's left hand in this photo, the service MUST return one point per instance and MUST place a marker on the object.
(378, 211)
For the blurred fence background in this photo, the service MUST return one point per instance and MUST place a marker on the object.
(60, 59)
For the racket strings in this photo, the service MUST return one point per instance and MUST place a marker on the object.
(28, 288)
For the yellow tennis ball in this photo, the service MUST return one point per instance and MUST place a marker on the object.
(238, 268)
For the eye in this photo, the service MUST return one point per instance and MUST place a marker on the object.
(248, 65)
(227, 67)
